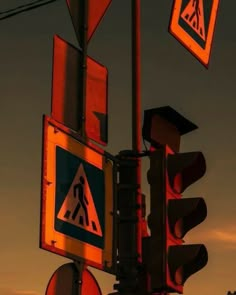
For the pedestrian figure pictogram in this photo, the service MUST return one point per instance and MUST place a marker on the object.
(193, 15)
(83, 201)
(78, 207)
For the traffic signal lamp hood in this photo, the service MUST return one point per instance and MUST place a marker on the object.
(185, 214)
(186, 260)
(184, 169)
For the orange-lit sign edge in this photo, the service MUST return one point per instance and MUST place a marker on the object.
(203, 55)
(52, 240)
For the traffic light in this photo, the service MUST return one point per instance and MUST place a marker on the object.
(169, 262)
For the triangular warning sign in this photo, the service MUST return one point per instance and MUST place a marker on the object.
(78, 207)
(193, 15)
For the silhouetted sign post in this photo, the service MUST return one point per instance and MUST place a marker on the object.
(76, 219)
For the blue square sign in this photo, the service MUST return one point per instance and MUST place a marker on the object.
(80, 201)
(77, 199)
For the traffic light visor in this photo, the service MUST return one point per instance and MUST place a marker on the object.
(184, 169)
(184, 214)
(186, 260)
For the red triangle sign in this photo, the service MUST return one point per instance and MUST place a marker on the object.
(96, 10)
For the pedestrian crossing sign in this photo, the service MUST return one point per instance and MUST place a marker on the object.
(77, 199)
(193, 24)
(78, 207)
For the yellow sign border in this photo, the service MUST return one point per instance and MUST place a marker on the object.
(53, 240)
(203, 55)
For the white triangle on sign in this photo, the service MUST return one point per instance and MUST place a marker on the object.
(78, 207)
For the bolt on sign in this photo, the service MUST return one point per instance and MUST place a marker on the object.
(77, 199)
(193, 23)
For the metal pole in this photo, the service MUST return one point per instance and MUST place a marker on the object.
(136, 113)
(83, 64)
(79, 267)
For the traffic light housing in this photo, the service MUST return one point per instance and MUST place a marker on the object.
(169, 262)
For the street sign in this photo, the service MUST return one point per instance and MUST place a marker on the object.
(65, 280)
(66, 83)
(96, 10)
(77, 199)
(193, 24)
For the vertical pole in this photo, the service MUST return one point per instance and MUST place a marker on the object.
(83, 31)
(136, 113)
(83, 66)
(77, 279)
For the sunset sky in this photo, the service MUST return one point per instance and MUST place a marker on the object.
(170, 76)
